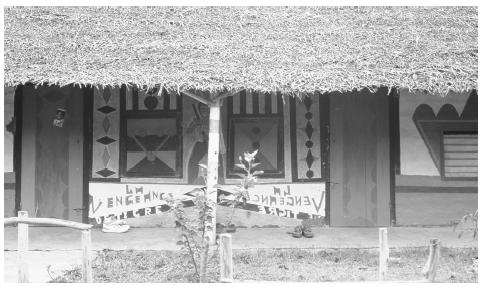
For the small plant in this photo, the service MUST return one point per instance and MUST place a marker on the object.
(67, 276)
(194, 232)
(469, 222)
(248, 179)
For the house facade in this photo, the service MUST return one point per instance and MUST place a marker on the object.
(361, 116)
(342, 159)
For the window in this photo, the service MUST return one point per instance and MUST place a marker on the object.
(460, 154)
(255, 121)
(151, 135)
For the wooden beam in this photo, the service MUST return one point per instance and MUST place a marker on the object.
(46, 221)
(198, 98)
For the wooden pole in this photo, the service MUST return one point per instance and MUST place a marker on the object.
(213, 152)
(87, 256)
(47, 221)
(212, 181)
(430, 269)
(384, 253)
(226, 258)
(22, 249)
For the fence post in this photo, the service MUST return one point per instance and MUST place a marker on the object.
(22, 249)
(384, 253)
(226, 258)
(86, 256)
(430, 269)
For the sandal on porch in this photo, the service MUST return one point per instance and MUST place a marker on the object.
(297, 232)
(307, 232)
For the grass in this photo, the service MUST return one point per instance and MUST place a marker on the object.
(300, 265)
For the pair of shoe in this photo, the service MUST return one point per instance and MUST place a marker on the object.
(304, 231)
(112, 225)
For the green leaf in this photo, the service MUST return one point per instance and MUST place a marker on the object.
(255, 164)
(240, 165)
(242, 175)
(257, 172)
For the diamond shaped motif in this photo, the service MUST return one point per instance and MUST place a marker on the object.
(105, 172)
(106, 109)
(309, 159)
(105, 157)
(106, 95)
(106, 140)
(309, 130)
(106, 124)
(308, 102)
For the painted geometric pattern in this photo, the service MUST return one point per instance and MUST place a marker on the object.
(151, 146)
(150, 100)
(106, 120)
(261, 135)
(308, 138)
(254, 102)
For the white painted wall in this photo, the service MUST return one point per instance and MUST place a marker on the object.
(414, 155)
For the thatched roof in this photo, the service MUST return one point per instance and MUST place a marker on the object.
(288, 49)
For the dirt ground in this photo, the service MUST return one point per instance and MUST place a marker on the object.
(456, 265)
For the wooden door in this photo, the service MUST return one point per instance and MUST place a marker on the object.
(52, 158)
(359, 159)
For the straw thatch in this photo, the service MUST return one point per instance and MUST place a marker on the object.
(288, 49)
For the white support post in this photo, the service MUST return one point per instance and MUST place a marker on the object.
(383, 254)
(226, 258)
(22, 249)
(213, 152)
(87, 276)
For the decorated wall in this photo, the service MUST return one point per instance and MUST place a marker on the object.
(106, 133)
(250, 120)
(420, 114)
(306, 138)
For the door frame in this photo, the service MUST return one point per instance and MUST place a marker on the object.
(394, 152)
(87, 93)
(17, 145)
(87, 148)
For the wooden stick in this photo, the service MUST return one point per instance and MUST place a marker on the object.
(212, 180)
(384, 253)
(225, 95)
(430, 269)
(22, 249)
(226, 258)
(46, 221)
(198, 98)
(212, 171)
(87, 256)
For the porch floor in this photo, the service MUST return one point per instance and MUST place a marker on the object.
(60, 247)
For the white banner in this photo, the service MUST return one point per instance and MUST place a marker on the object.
(126, 200)
(120, 198)
(307, 198)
